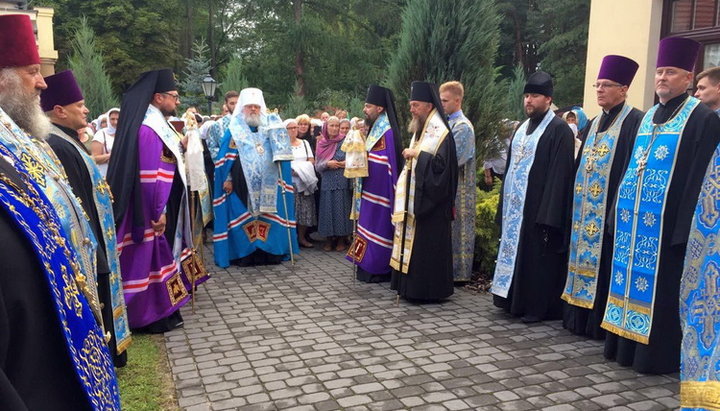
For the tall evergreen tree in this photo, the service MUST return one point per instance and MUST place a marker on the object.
(515, 104)
(233, 77)
(196, 68)
(563, 46)
(134, 35)
(86, 62)
(452, 40)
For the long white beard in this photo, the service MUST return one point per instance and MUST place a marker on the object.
(23, 108)
(252, 120)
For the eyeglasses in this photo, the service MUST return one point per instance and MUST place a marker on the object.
(292, 128)
(605, 85)
(175, 96)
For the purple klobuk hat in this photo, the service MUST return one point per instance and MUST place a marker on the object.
(62, 89)
(678, 52)
(618, 69)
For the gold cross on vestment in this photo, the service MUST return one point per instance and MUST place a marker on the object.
(595, 190)
(591, 229)
(602, 150)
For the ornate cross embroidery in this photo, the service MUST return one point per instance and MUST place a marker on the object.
(707, 304)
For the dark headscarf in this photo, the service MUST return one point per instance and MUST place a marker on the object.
(123, 174)
(383, 97)
(326, 146)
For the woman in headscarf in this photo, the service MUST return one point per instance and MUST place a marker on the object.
(345, 126)
(102, 142)
(304, 182)
(335, 194)
(571, 119)
(581, 119)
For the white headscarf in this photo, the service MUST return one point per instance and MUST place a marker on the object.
(110, 130)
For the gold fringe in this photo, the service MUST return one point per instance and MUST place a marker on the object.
(700, 394)
(625, 333)
(577, 302)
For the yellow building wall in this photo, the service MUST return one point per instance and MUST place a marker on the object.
(46, 40)
(42, 20)
(630, 28)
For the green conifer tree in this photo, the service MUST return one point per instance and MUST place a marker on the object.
(452, 40)
(197, 67)
(296, 105)
(515, 110)
(233, 77)
(86, 62)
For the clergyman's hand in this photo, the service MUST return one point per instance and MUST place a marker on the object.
(409, 153)
(159, 225)
(227, 186)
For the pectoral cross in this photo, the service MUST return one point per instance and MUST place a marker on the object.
(522, 153)
(642, 163)
(590, 164)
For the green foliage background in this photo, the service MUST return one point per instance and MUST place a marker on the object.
(340, 45)
(453, 40)
(320, 55)
(486, 230)
(87, 65)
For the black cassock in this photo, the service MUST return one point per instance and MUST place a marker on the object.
(36, 371)
(698, 141)
(430, 272)
(82, 186)
(541, 263)
(584, 321)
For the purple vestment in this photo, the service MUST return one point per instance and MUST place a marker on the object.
(373, 243)
(153, 284)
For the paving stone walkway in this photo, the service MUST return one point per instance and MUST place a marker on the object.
(310, 338)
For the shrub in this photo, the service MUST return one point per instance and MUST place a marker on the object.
(487, 232)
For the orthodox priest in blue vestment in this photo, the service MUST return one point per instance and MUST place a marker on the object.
(534, 210)
(53, 351)
(64, 104)
(253, 196)
(655, 204)
(604, 156)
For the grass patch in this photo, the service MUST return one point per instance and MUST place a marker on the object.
(146, 382)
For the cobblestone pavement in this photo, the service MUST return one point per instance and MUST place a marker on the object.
(310, 338)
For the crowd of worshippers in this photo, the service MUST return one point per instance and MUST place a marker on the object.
(610, 226)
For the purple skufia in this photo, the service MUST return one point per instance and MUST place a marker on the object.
(677, 52)
(62, 89)
(618, 69)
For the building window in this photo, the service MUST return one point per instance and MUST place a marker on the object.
(711, 56)
(688, 15)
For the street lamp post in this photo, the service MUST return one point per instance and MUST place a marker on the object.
(208, 86)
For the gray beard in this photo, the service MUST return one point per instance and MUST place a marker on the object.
(252, 120)
(415, 125)
(23, 109)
